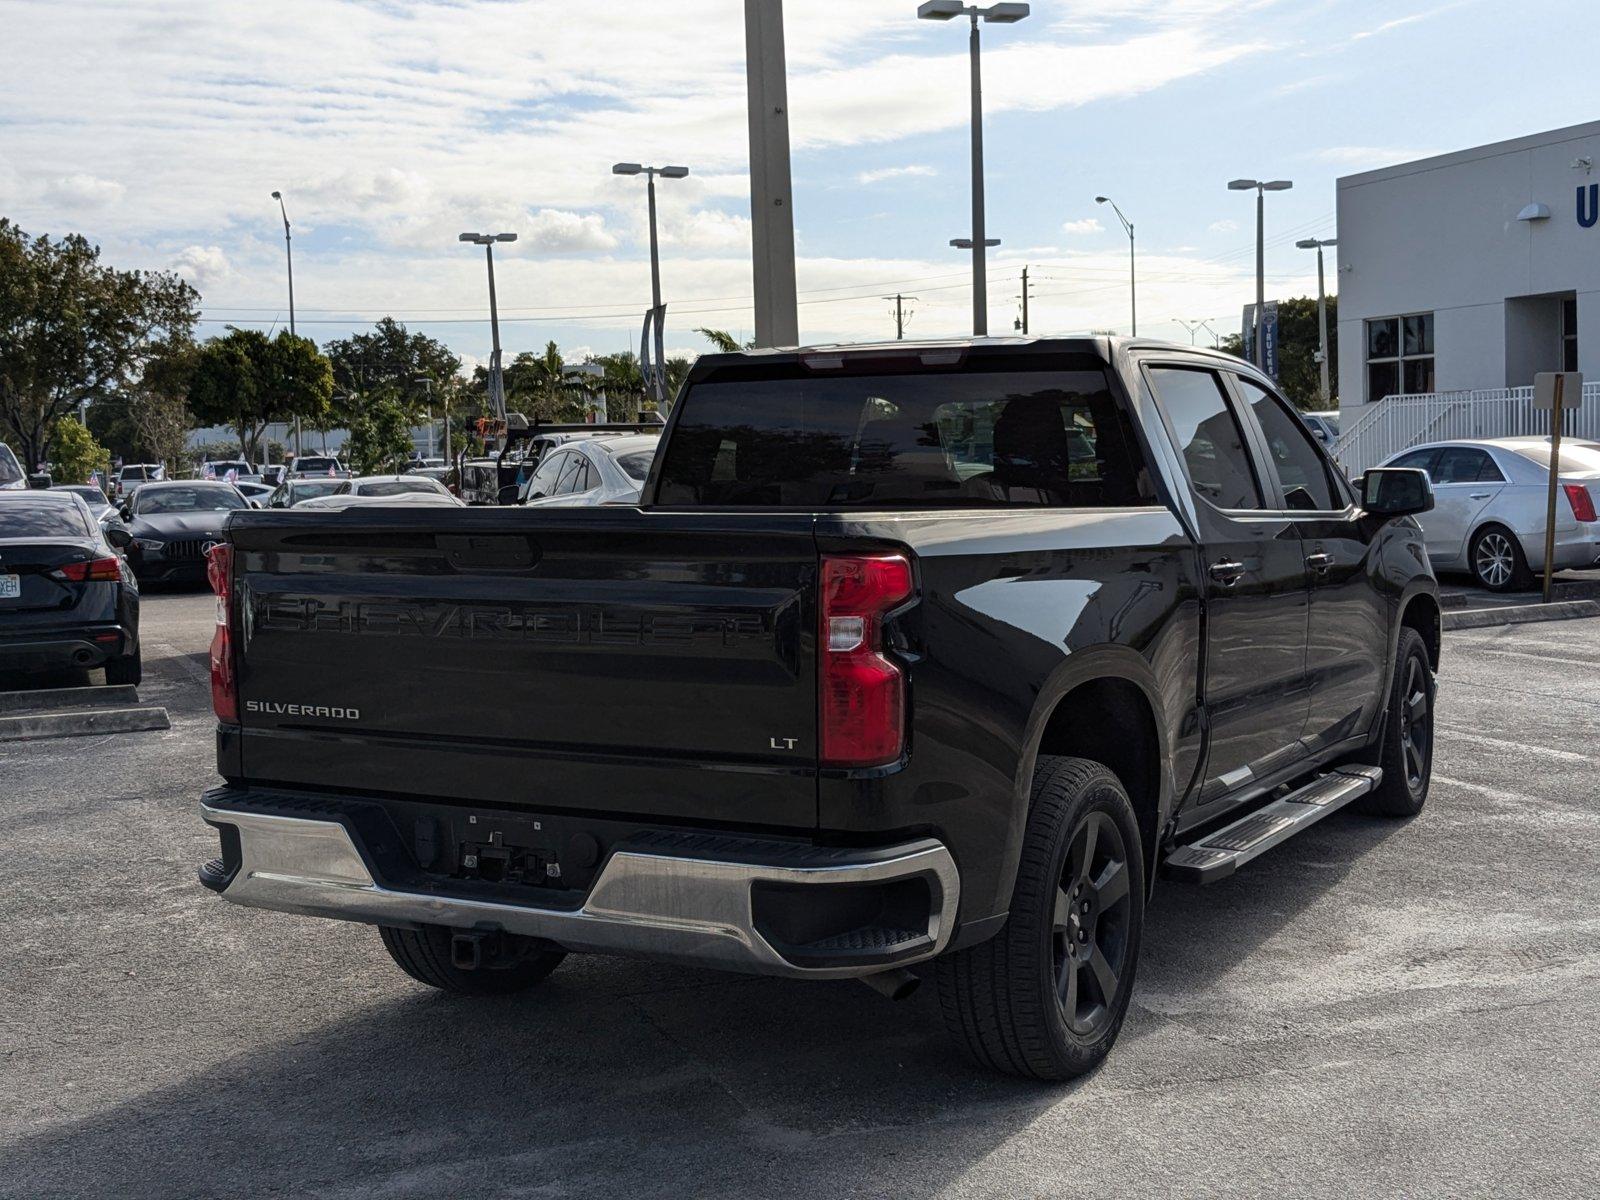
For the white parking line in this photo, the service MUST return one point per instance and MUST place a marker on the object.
(1546, 751)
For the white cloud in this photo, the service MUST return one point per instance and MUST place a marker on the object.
(882, 173)
(555, 231)
(1226, 225)
(1087, 225)
(202, 266)
(80, 191)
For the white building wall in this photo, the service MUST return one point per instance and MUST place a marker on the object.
(1441, 235)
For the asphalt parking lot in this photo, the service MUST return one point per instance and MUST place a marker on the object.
(1373, 1009)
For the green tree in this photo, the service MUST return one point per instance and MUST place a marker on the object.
(1298, 340)
(723, 341)
(624, 385)
(392, 358)
(538, 386)
(380, 434)
(75, 330)
(247, 380)
(76, 453)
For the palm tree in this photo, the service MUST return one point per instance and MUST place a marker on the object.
(723, 341)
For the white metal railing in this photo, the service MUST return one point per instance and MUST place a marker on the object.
(1397, 422)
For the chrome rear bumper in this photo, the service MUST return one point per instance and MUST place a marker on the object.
(672, 907)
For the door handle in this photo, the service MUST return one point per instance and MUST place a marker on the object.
(1319, 562)
(1227, 572)
(1480, 495)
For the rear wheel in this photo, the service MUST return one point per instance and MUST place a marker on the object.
(1045, 998)
(505, 963)
(128, 669)
(1407, 747)
(1497, 560)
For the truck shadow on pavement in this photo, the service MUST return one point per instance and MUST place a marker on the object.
(620, 1078)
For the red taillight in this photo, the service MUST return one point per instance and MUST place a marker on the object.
(224, 683)
(96, 570)
(1582, 503)
(863, 693)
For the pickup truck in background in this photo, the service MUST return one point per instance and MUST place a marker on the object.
(929, 654)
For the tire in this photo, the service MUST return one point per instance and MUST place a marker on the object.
(1006, 1000)
(128, 669)
(1406, 752)
(510, 963)
(1497, 561)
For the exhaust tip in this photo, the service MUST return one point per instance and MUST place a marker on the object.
(896, 983)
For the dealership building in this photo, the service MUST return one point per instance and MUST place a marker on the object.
(1472, 270)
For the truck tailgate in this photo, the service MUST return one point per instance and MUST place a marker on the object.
(637, 663)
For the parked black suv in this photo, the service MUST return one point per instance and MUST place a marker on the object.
(912, 653)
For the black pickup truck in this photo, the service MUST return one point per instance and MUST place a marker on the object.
(930, 654)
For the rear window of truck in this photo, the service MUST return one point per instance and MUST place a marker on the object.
(967, 439)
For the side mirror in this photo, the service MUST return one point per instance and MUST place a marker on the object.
(255, 504)
(39, 482)
(1396, 492)
(125, 513)
(118, 537)
(507, 494)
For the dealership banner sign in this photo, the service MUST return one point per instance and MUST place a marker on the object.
(1269, 336)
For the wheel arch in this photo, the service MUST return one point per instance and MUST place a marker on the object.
(1103, 704)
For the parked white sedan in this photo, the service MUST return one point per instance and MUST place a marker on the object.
(595, 470)
(1489, 501)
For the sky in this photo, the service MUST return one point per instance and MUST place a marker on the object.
(159, 130)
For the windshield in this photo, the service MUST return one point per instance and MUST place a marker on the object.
(1575, 460)
(92, 495)
(10, 471)
(305, 489)
(1034, 437)
(397, 487)
(21, 519)
(151, 500)
(311, 465)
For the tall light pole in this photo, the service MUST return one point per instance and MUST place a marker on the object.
(1216, 342)
(1192, 328)
(1133, 273)
(655, 371)
(999, 14)
(497, 383)
(288, 253)
(1322, 314)
(1261, 189)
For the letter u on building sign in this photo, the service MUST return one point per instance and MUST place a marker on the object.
(1588, 204)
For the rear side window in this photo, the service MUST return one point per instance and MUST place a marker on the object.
(972, 438)
(1462, 464)
(1209, 435)
(1300, 465)
(20, 519)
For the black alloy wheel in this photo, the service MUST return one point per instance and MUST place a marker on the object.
(1091, 924)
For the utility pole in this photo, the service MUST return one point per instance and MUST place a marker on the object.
(900, 314)
(288, 253)
(771, 193)
(1022, 321)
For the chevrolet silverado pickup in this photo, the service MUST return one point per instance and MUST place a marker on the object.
(925, 655)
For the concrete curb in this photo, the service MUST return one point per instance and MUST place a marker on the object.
(1520, 614)
(49, 699)
(79, 722)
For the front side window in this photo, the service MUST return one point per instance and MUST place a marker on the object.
(1301, 468)
(545, 478)
(1462, 464)
(1209, 436)
(960, 438)
(1421, 460)
(1400, 356)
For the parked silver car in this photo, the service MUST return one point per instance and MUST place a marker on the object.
(595, 470)
(1489, 502)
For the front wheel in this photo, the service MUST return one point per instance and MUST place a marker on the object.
(505, 962)
(1045, 997)
(1406, 752)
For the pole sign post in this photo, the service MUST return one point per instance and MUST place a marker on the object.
(1269, 336)
(1555, 392)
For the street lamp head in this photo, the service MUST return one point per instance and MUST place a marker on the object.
(940, 10)
(467, 237)
(277, 195)
(1277, 185)
(1242, 185)
(1307, 244)
(505, 237)
(673, 172)
(627, 169)
(1005, 14)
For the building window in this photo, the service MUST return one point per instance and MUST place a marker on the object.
(1569, 334)
(1400, 356)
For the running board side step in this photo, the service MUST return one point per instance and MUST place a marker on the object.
(1222, 852)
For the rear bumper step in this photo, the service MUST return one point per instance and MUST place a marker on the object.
(681, 898)
(1222, 852)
